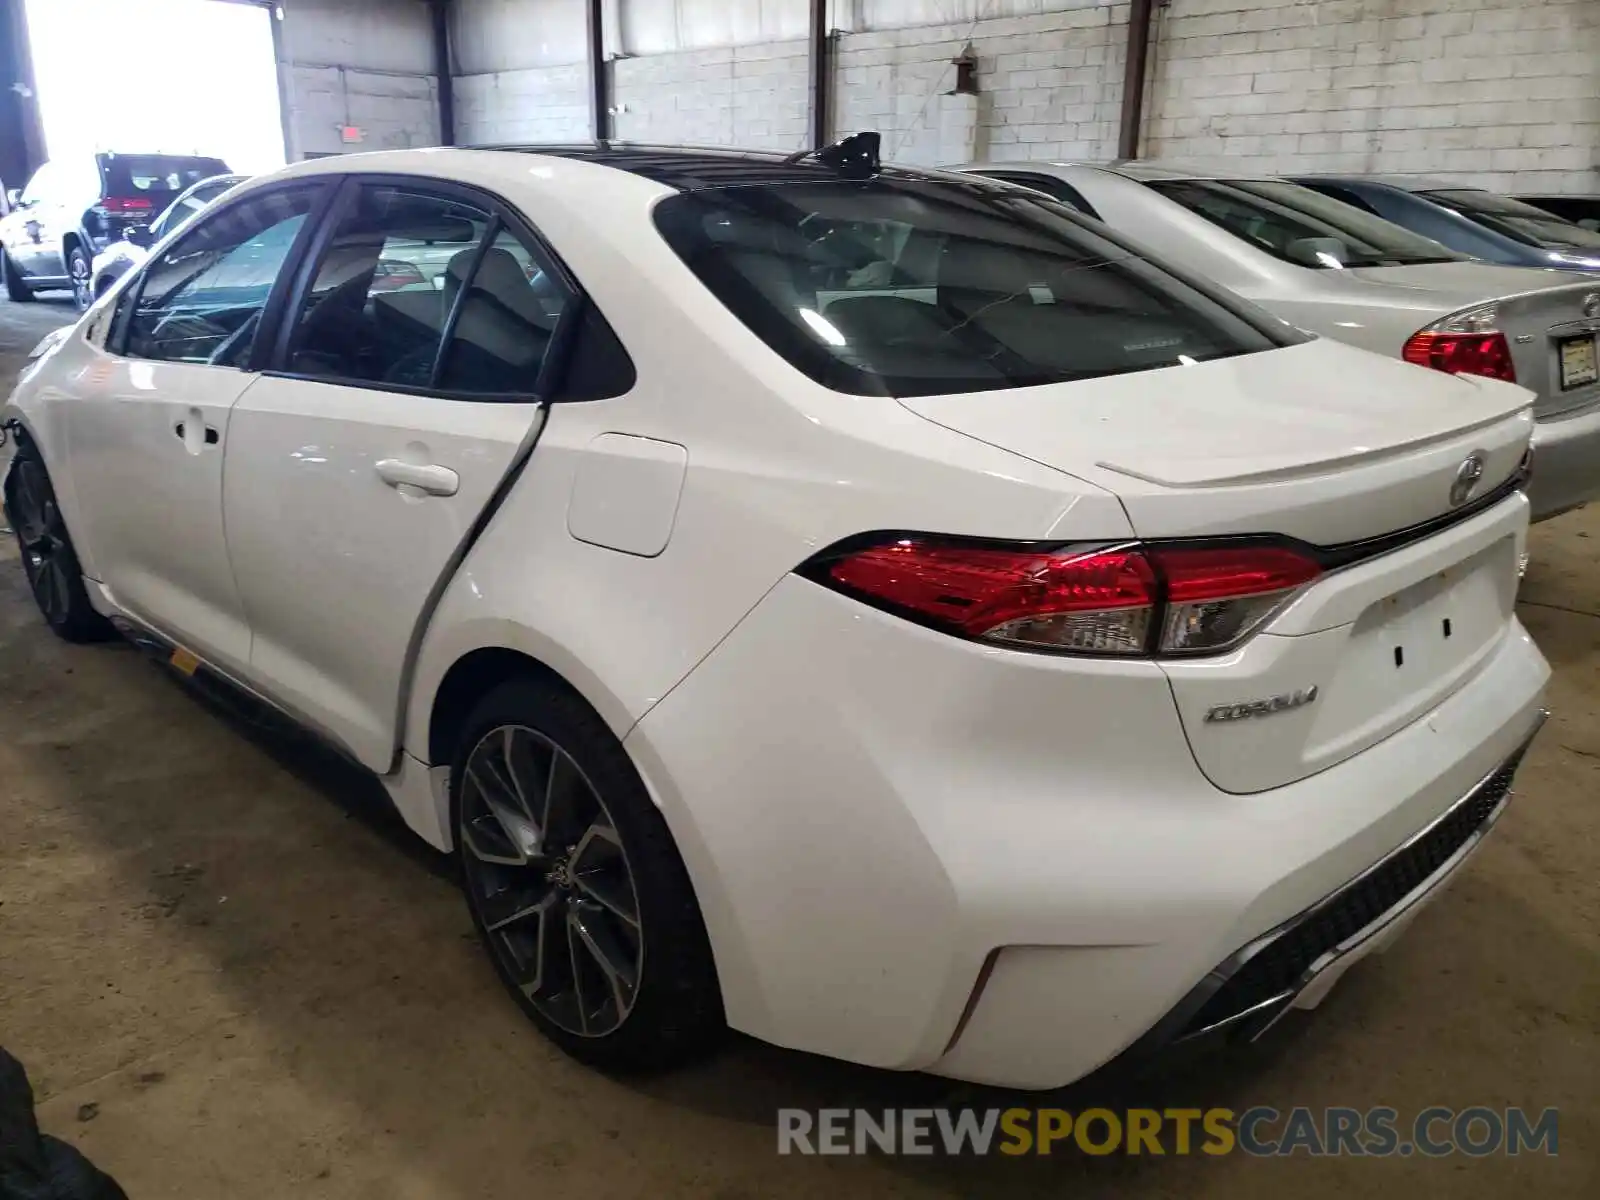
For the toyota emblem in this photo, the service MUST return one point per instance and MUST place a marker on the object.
(1591, 305)
(1467, 476)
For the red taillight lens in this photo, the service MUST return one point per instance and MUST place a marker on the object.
(1485, 354)
(118, 204)
(1125, 600)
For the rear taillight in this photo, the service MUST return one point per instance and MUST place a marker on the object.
(123, 204)
(1464, 344)
(1120, 600)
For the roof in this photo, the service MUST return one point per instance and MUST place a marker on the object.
(1145, 169)
(1405, 183)
(691, 168)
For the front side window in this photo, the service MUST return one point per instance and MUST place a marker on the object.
(907, 286)
(403, 270)
(41, 185)
(1527, 224)
(1301, 226)
(201, 301)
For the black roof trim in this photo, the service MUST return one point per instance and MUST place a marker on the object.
(691, 168)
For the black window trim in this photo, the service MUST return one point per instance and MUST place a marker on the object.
(1021, 177)
(116, 341)
(503, 216)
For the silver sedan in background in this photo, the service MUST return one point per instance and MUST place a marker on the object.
(1333, 269)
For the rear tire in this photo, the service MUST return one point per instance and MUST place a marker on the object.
(17, 289)
(80, 269)
(576, 886)
(48, 558)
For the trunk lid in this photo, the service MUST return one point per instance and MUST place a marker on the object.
(1320, 441)
(1548, 317)
(1323, 443)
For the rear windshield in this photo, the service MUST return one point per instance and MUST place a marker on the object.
(1301, 226)
(1516, 219)
(155, 174)
(908, 287)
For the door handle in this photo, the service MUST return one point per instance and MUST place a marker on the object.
(425, 477)
(196, 434)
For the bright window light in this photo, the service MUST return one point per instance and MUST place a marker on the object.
(159, 76)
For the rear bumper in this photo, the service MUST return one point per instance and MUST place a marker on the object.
(1297, 963)
(878, 819)
(1566, 463)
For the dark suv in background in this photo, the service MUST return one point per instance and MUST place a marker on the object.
(75, 207)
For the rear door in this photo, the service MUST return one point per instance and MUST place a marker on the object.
(358, 470)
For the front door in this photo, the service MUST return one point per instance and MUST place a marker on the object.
(356, 474)
(147, 444)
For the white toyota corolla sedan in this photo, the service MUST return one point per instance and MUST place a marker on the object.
(872, 609)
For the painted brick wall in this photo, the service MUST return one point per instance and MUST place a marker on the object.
(1500, 92)
(1050, 85)
(367, 63)
(753, 96)
(1503, 94)
(536, 104)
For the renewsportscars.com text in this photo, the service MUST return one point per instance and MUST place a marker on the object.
(1261, 1132)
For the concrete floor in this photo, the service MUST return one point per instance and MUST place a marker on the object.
(232, 975)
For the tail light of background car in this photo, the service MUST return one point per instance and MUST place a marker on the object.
(1465, 344)
(1130, 599)
(125, 204)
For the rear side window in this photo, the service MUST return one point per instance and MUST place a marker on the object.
(910, 287)
(1302, 226)
(505, 322)
(377, 305)
(1343, 195)
(1527, 224)
(155, 175)
(420, 290)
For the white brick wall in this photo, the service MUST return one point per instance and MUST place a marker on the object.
(1500, 92)
(753, 96)
(1050, 85)
(367, 63)
(539, 104)
(1494, 92)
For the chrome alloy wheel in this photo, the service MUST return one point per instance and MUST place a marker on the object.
(42, 536)
(79, 268)
(549, 880)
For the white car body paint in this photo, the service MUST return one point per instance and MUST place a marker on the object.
(625, 495)
(856, 797)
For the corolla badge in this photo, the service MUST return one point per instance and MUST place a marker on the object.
(1591, 305)
(1245, 710)
(1467, 476)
